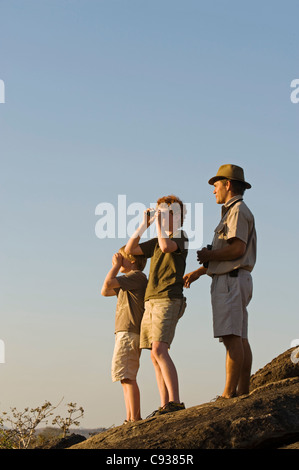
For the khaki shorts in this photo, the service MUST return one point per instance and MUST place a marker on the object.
(230, 297)
(159, 320)
(126, 355)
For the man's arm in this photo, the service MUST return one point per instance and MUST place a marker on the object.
(110, 282)
(193, 276)
(235, 249)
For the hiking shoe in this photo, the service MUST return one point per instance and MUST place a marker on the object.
(170, 408)
(154, 413)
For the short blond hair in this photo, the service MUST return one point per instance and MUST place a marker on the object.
(139, 260)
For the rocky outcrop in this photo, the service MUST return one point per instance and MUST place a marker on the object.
(282, 367)
(61, 442)
(68, 441)
(266, 418)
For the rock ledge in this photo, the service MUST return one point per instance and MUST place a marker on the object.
(266, 418)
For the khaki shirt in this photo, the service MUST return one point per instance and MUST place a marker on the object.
(130, 301)
(237, 222)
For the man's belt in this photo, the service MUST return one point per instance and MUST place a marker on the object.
(234, 273)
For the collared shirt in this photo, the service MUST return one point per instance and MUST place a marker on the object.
(237, 222)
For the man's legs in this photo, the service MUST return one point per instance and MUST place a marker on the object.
(132, 399)
(244, 380)
(238, 366)
(166, 374)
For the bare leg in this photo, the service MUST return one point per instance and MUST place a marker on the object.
(244, 380)
(167, 370)
(234, 364)
(125, 390)
(132, 399)
(164, 398)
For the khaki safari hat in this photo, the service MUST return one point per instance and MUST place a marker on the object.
(230, 172)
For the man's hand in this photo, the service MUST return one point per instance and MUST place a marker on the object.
(189, 278)
(233, 250)
(203, 255)
(193, 276)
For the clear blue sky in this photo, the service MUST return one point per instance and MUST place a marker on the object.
(137, 98)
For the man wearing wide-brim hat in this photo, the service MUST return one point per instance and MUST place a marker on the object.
(229, 262)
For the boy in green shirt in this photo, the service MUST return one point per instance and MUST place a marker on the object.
(164, 300)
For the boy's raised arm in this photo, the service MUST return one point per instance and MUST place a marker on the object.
(166, 244)
(132, 246)
(110, 283)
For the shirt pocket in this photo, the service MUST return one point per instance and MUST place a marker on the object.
(221, 231)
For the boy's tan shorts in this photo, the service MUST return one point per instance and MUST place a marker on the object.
(126, 355)
(159, 320)
(230, 297)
